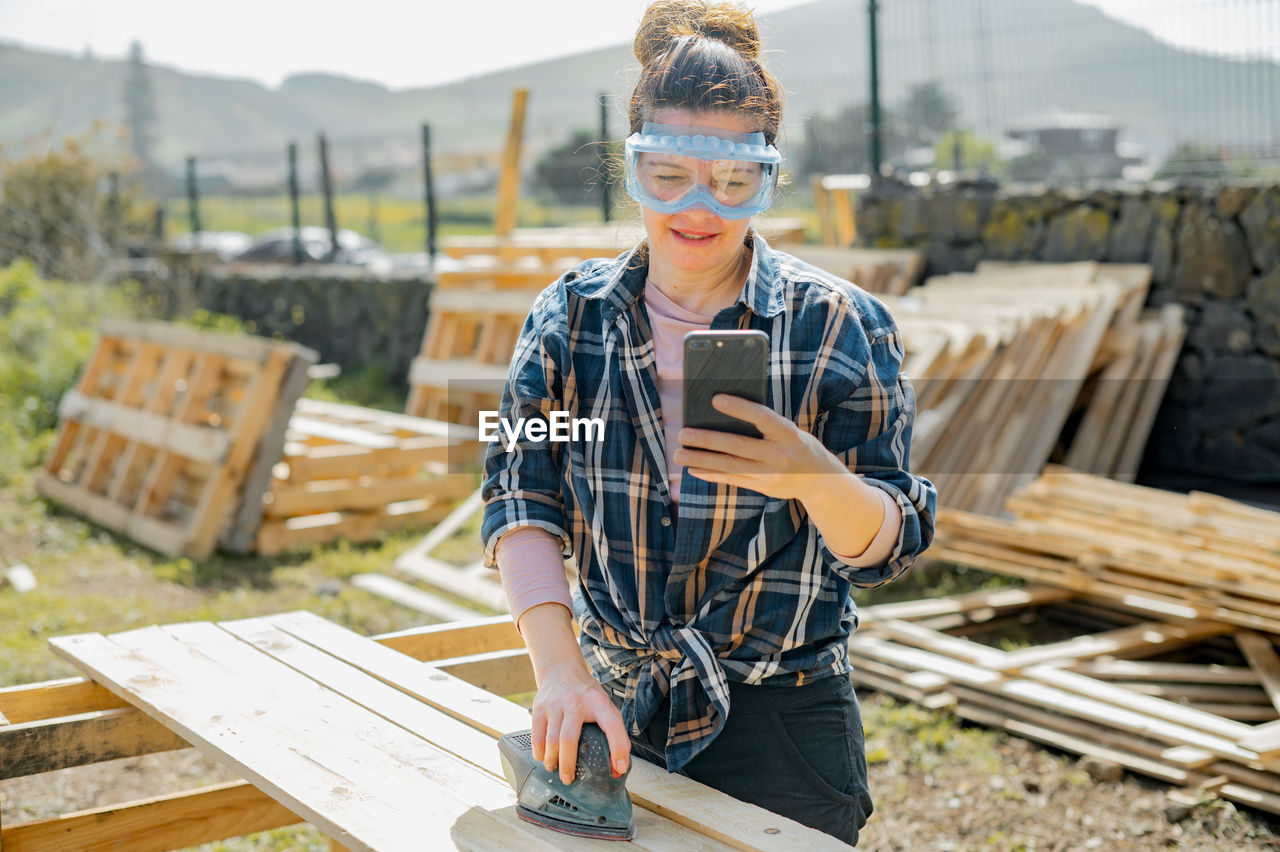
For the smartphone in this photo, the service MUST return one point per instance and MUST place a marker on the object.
(730, 362)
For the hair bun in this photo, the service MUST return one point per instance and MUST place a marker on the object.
(666, 20)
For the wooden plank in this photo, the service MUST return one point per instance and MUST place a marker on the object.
(455, 639)
(1261, 655)
(377, 697)
(996, 600)
(169, 539)
(158, 824)
(391, 790)
(412, 597)
(276, 535)
(362, 494)
(419, 425)
(48, 699)
(251, 419)
(458, 374)
(248, 516)
(1140, 670)
(29, 748)
(500, 672)
(449, 642)
(238, 347)
(1156, 708)
(200, 443)
(680, 799)
(509, 178)
(473, 582)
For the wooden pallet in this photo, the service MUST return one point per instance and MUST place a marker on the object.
(1193, 555)
(1191, 702)
(168, 429)
(466, 347)
(376, 748)
(354, 472)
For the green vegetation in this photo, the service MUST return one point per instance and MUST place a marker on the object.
(398, 224)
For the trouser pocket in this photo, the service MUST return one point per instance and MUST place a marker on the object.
(803, 760)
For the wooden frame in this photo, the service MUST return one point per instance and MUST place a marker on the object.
(1190, 702)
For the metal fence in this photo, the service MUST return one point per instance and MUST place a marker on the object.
(1055, 90)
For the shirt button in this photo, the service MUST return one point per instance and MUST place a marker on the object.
(666, 522)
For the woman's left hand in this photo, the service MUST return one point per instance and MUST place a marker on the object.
(786, 463)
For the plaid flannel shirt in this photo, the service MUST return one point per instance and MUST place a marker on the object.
(736, 585)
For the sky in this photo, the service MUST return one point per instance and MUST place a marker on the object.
(404, 44)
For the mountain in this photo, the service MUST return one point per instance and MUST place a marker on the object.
(1000, 59)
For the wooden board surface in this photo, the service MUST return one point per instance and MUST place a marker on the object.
(379, 750)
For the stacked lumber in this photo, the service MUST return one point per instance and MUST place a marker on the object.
(167, 427)
(997, 367)
(890, 271)
(1194, 555)
(352, 472)
(1011, 362)
(1192, 702)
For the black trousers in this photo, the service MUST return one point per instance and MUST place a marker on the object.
(795, 750)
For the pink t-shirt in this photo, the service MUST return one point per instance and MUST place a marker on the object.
(529, 558)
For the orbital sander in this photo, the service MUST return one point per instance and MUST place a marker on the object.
(595, 804)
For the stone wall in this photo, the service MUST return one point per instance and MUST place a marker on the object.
(350, 317)
(1215, 250)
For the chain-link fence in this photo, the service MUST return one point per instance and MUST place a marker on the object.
(1054, 91)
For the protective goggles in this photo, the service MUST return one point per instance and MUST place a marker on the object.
(672, 168)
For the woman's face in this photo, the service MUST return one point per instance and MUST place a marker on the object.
(697, 240)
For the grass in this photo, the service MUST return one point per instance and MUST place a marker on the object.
(398, 224)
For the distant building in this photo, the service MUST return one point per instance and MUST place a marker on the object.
(1065, 146)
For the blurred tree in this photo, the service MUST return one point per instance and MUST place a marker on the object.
(1193, 161)
(140, 109)
(841, 143)
(54, 209)
(975, 153)
(928, 112)
(572, 171)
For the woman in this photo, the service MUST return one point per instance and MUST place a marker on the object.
(714, 569)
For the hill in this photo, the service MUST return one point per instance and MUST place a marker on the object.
(1001, 60)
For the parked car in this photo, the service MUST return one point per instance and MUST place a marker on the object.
(225, 244)
(353, 248)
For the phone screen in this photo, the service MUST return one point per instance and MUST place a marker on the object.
(729, 362)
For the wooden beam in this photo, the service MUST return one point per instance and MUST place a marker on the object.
(30, 702)
(32, 747)
(412, 597)
(1262, 658)
(509, 178)
(499, 672)
(199, 443)
(173, 821)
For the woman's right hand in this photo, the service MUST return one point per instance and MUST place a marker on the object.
(567, 697)
(567, 694)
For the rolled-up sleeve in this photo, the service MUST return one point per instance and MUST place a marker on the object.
(870, 431)
(522, 481)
